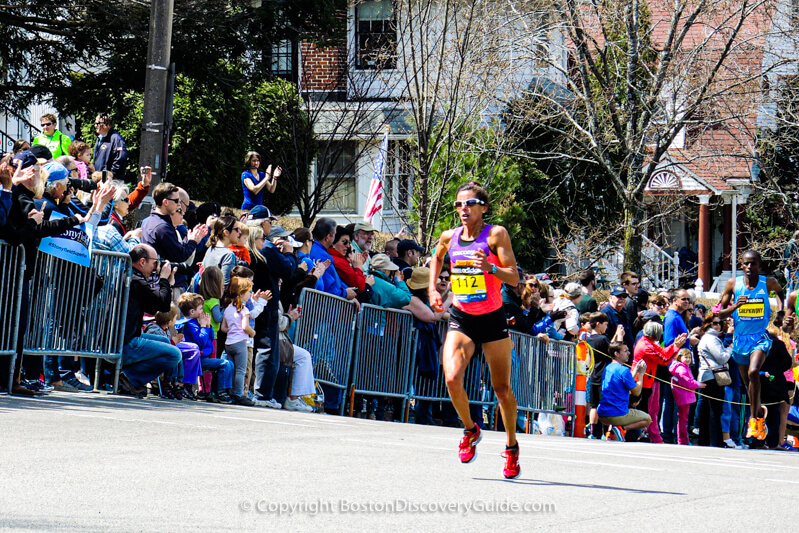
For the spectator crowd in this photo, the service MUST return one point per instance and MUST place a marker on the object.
(214, 297)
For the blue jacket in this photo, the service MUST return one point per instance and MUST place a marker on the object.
(614, 320)
(388, 294)
(202, 337)
(5, 206)
(158, 231)
(331, 283)
(111, 153)
(673, 327)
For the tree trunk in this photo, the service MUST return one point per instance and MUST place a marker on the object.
(633, 218)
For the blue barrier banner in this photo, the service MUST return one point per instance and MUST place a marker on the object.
(73, 245)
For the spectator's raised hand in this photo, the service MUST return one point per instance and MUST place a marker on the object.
(370, 280)
(198, 233)
(26, 177)
(136, 233)
(295, 312)
(544, 337)
(146, 176)
(204, 320)
(558, 315)
(680, 340)
(177, 338)
(640, 367)
(278, 171)
(320, 267)
(37, 216)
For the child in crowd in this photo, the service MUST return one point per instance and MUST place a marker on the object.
(683, 386)
(618, 384)
(164, 322)
(236, 323)
(198, 330)
(211, 288)
(255, 306)
(240, 246)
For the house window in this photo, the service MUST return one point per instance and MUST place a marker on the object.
(398, 177)
(283, 60)
(375, 35)
(337, 172)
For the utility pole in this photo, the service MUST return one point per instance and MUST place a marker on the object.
(156, 85)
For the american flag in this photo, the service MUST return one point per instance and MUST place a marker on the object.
(374, 203)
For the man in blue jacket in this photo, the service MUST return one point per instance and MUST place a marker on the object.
(324, 232)
(110, 151)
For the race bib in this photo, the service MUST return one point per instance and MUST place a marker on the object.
(753, 309)
(469, 287)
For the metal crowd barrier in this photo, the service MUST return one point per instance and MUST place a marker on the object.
(12, 264)
(385, 351)
(327, 330)
(79, 311)
(543, 375)
(476, 381)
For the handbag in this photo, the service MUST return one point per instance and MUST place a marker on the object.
(720, 373)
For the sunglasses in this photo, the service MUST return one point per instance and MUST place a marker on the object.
(45, 124)
(443, 278)
(176, 200)
(716, 323)
(471, 202)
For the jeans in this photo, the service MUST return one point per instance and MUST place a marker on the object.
(237, 354)
(708, 414)
(146, 357)
(224, 375)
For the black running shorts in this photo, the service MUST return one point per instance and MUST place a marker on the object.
(481, 329)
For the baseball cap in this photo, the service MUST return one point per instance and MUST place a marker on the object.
(618, 290)
(260, 212)
(24, 158)
(382, 262)
(651, 315)
(281, 232)
(41, 152)
(55, 171)
(364, 226)
(407, 244)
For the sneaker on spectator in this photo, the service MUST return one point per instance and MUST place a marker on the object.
(243, 400)
(297, 405)
(467, 450)
(66, 386)
(263, 402)
(224, 397)
(78, 385)
(209, 397)
(729, 444)
(83, 378)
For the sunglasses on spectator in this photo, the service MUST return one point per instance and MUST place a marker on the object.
(45, 124)
(471, 202)
(99, 123)
(716, 323)
(125, 200)
(685, 299)
(176, 200)
(443, 278)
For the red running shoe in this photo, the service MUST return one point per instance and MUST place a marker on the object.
(512, 469)
(467, 450)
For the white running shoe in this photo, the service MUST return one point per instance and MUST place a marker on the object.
(297, 405)
(260, 402)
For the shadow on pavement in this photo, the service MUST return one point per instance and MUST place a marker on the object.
(581, 485)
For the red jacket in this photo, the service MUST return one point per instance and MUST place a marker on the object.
(653, 355)
(352, 277)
